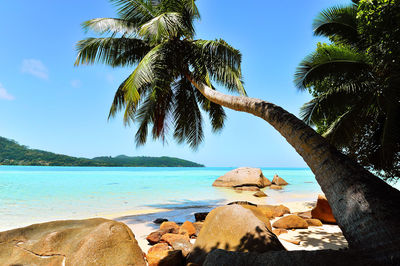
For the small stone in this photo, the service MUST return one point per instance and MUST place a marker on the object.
(260, 194)
(276, 187)
(160, 220)
(314, 222)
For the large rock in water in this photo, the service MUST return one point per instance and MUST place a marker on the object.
(243, 176)
(279, 181)
(322, 211)
(79, 242)
(233, 228)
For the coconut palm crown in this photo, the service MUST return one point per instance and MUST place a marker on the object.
(355, 104)
(157, 38)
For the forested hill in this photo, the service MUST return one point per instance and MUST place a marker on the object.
(12, 153)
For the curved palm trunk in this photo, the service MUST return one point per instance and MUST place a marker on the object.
(365, 207)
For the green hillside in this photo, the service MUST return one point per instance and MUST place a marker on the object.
(12, 153)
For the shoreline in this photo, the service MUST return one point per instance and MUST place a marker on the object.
(140, 221)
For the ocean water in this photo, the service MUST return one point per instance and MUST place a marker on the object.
(38, 194)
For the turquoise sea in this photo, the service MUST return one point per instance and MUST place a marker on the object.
(31, 194)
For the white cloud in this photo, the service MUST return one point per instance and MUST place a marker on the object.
(4, 94)
(35, 67)
(76, 83)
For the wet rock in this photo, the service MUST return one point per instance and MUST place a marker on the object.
(279, 181)
(74, 242)
(291, 222)
(276, 187)
(244, 176)
(200, 216)
(323, 211)
(160, 220)
(233, 228)
(260, 194)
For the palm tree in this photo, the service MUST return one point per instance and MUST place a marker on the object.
(354, 104)
(174, 73)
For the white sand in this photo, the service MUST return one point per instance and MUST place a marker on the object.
(313, 238)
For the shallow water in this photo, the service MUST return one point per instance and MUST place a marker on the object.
(31, 194)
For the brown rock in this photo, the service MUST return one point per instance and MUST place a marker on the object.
(187, 228)
(247, 188)
(159, 247)
(170, 238)
(79, 242)
(183, 245)
(276, 187)
(272, 211)
(233, 228)
(279, 181)
(155, 237)
(313, 222)
(291, 221)
(279, 231)
(200, 216)
(323, 211)
(304, 215)
(241, 177)
(171, 227)
(163, 256)
(198, 226)
(260, 194)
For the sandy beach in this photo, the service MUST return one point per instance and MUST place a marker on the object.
(313, 238)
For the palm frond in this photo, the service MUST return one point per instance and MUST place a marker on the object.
(187, 115)
(215, 111)
(155, 111)
(111, 51)
(110, 25)
(135, 11)
(338, 23)
(331, 61)
(221, 61)
(165, 26)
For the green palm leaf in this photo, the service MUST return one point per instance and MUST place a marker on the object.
(110, 25)
(331, 61)
(111, 51)
(339, 24)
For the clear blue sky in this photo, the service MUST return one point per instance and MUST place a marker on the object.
(47, 103)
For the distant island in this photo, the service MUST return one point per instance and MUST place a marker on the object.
(12, 153)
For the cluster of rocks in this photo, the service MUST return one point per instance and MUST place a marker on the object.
(172, 243)
(249, 179)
